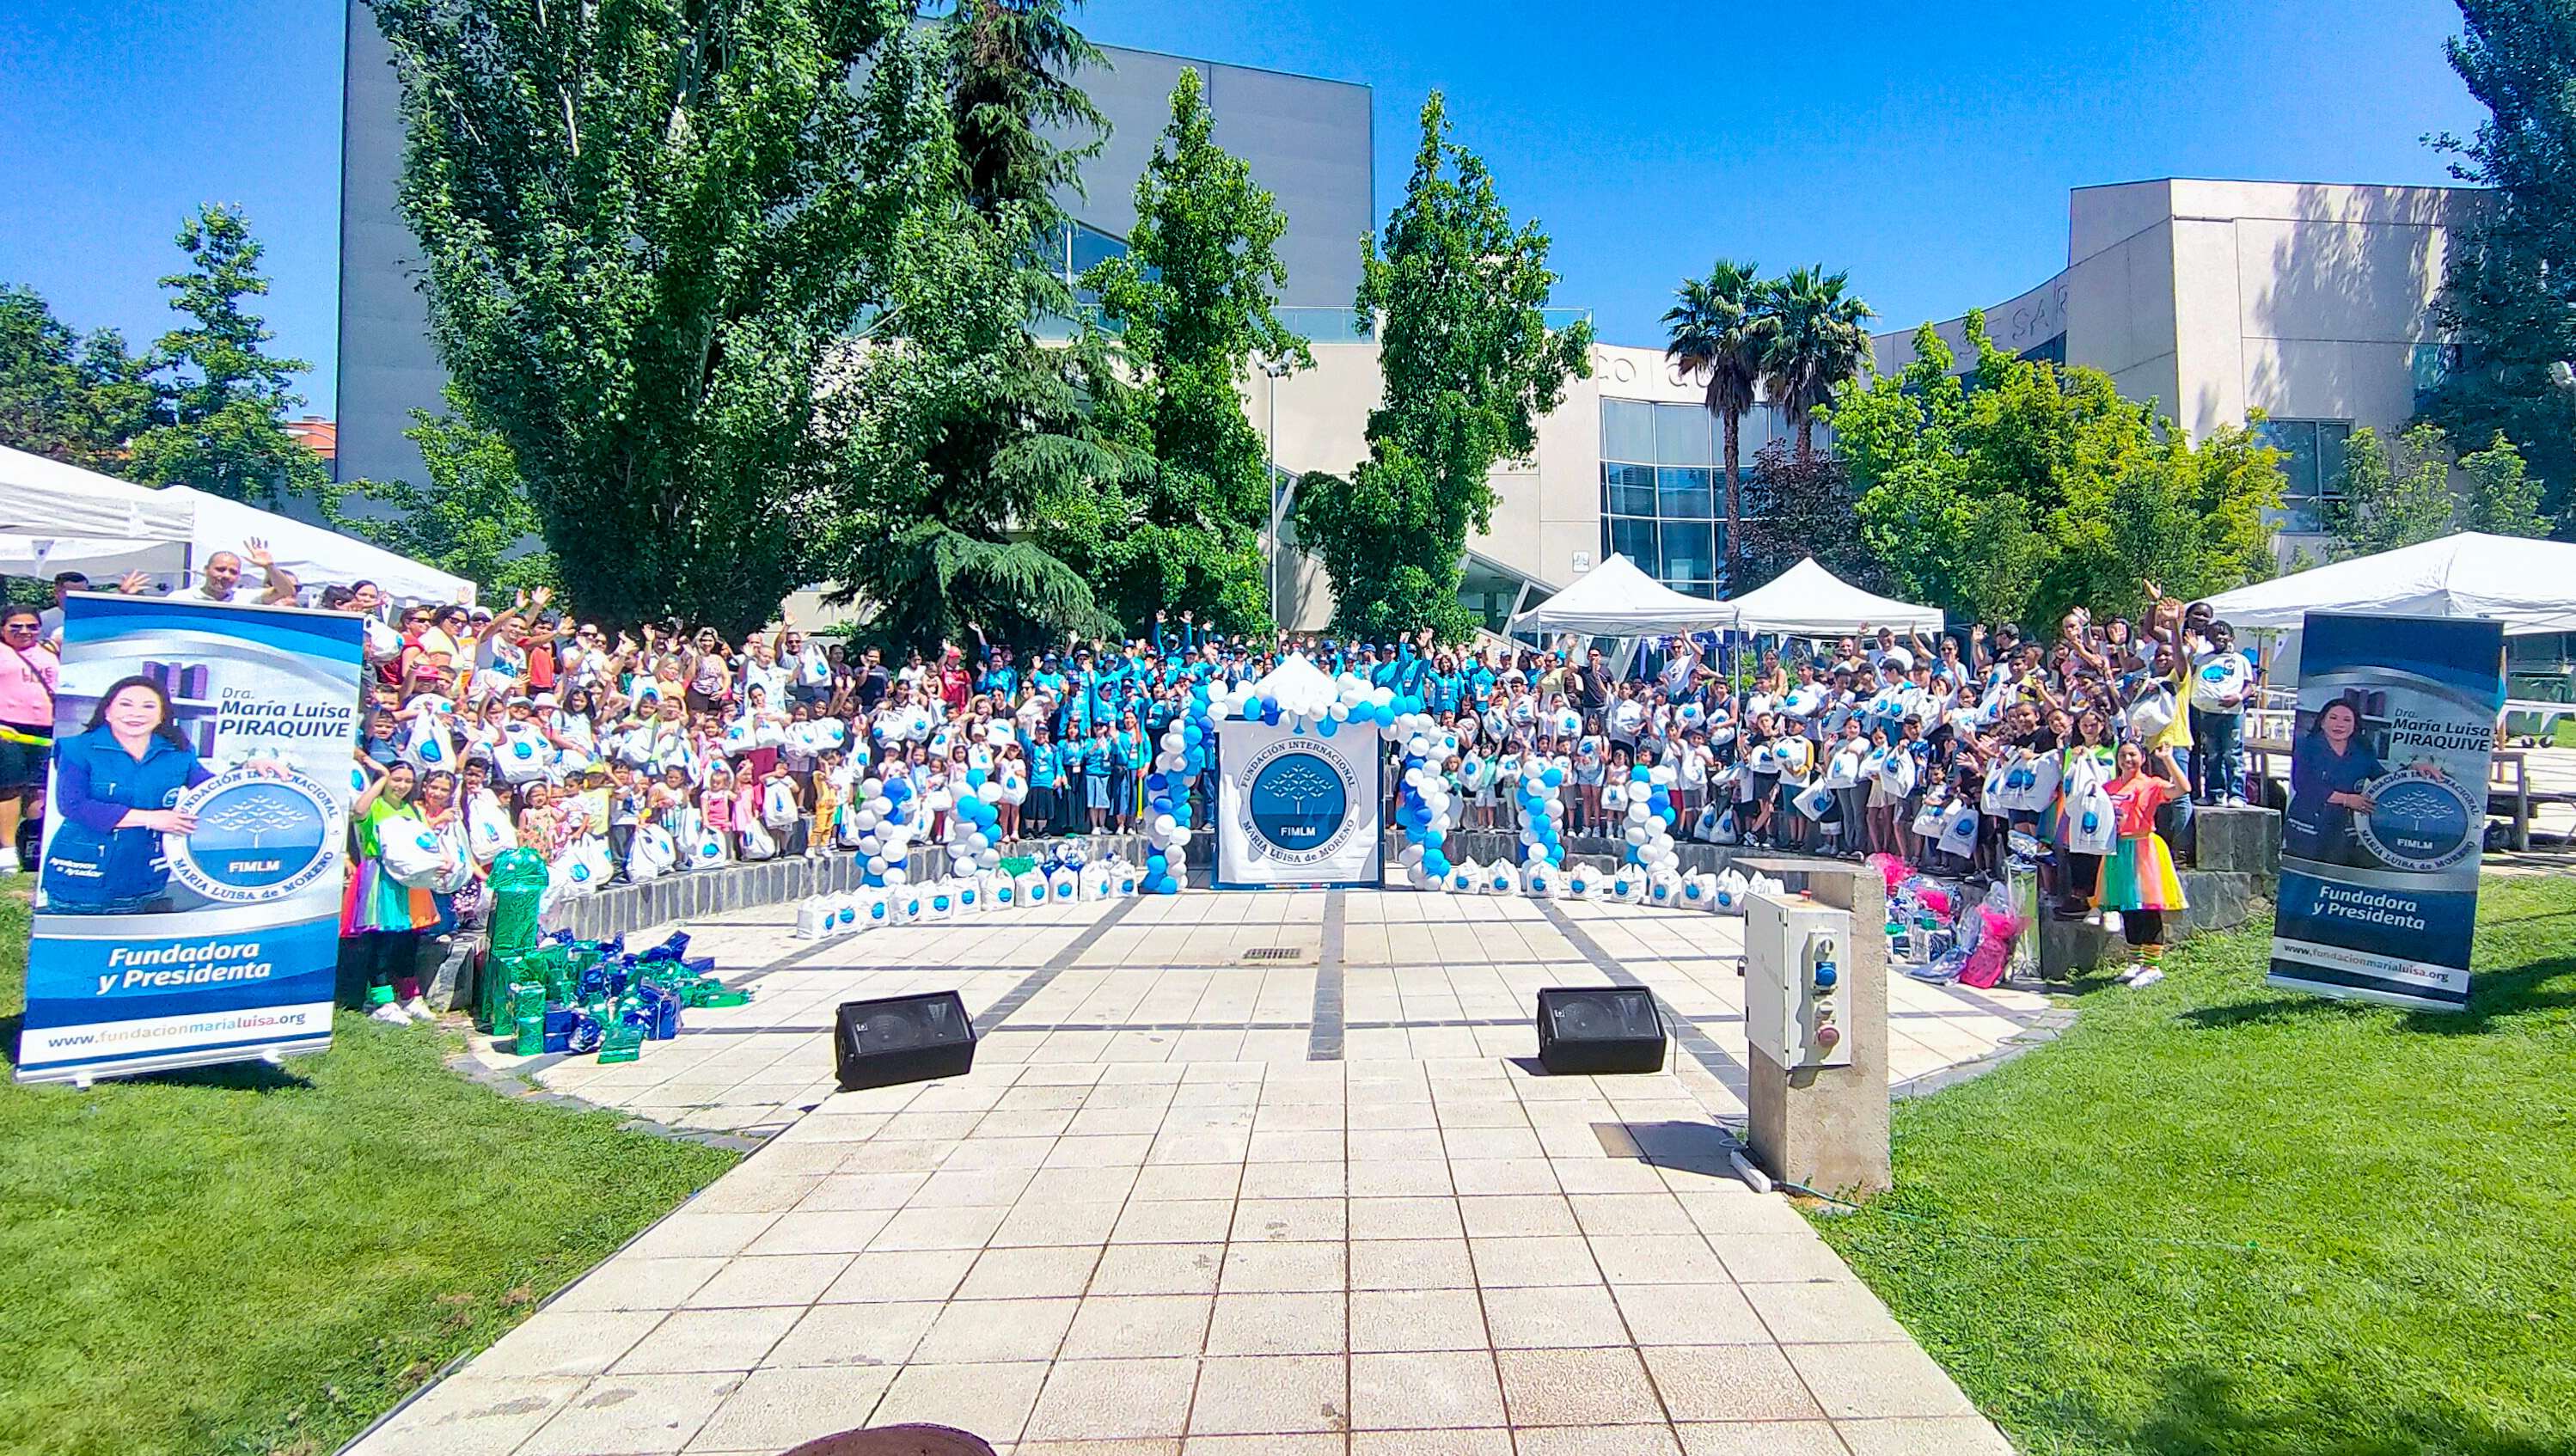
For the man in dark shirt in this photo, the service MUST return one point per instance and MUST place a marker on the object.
(1592, 682)
(873, 681)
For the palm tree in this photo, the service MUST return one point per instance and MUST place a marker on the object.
(1812, 342)
(1711, 324)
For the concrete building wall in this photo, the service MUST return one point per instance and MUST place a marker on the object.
(1306, 139)
(2303, 300)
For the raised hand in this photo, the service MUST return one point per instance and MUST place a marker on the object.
(133, 583)
(255, 551)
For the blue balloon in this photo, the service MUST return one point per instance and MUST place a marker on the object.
(974, 778)
(898, 789)
(1191, 733)
(1433, 836)
(1554, 777)
(1327, 727)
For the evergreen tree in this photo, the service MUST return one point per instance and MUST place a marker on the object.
(1192, 300)
(2509, 296)
(2390, 498)
(958, 439)
(79, 399)
(1014, 94)
(220, 422)
(1469, 366)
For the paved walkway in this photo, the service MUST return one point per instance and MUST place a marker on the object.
(1250, 1173)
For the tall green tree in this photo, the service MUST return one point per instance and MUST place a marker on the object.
(648, 228)
(2509, 293)
(2041, 489)
(220, 422)
(2390, 498)
(1023, 124)
(1469, 365)
(966, 453)
(2503, 498)
(1192, 300)
(473, 519)
(1711, 329)
(77, 398)
(1812, 339)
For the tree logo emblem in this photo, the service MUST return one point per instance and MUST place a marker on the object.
(2421, 822)
(260, 837)
(1298, 802)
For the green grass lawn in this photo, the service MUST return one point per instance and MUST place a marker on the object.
(248, 1260)
(2219, 1218)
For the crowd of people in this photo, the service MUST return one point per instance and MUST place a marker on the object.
(523, 726)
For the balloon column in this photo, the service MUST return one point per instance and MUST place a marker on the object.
(1540, 790)
(974, 823)
(1178, 761)
(887, 819)
(1648, 801)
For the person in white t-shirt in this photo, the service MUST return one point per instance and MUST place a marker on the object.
(223, 576)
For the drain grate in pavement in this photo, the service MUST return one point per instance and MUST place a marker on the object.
(1274, 953)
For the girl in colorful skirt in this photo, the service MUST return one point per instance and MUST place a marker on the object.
(2138, 880)
(381, 917)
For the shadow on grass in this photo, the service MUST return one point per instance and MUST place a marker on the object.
(2493, 996)
(2205, 1413)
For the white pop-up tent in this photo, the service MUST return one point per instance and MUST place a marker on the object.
(1615, 599)
(46, 498)
(1809, 601)
(56, 517)
(2529, 586)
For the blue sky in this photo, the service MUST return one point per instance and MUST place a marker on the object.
(1927, 149)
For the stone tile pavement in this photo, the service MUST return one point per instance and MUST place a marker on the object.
(1192, 1202)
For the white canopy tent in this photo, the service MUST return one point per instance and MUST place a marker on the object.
(1615, 599)
(1809, 601)
(63, 518)
(2529, 586)
(46, 498)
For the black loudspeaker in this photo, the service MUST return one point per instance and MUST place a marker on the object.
(902, 1039)
(1587, 1030)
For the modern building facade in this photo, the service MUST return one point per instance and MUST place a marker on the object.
(1306, 139)
(2311, 302)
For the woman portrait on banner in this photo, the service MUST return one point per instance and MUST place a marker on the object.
(2331, 769)
(115, 783)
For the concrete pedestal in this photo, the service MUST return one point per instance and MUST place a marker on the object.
(1826, 1127)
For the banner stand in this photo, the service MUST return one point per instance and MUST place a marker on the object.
(2381, 843)
(196, 845)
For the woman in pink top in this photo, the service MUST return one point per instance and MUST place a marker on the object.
(29, 676)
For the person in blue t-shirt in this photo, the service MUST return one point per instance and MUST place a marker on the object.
(1128, 776)
(1046, 778)
(1097, 755)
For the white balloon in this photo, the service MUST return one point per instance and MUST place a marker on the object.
(895, 877)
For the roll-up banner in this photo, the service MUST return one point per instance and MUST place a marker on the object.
(196, 837)
(2388, 807)
(1294, 808)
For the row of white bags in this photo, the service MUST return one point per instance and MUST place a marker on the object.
(819, 917)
